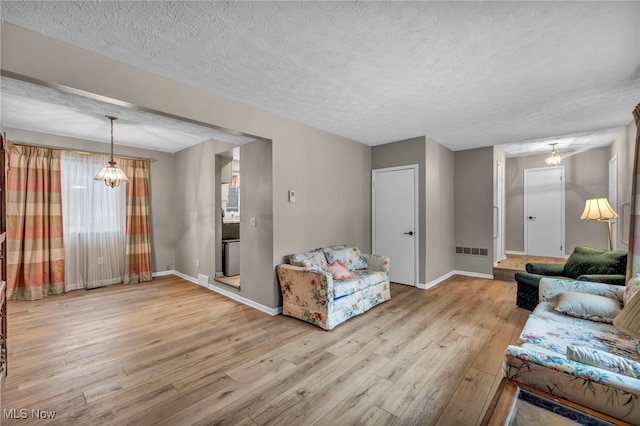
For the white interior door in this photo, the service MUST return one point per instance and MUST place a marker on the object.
(394, 220)
(544, 211)
(613, 197)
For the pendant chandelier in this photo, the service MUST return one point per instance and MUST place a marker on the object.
(111, 175)
(554, 158)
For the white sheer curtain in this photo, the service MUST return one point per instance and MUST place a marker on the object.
(93, 222)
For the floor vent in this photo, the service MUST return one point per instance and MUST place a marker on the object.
(472, 251)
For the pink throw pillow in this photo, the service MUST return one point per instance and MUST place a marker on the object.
(338, 270)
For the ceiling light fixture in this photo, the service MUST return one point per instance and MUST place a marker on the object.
(554, 158)
(111, 175)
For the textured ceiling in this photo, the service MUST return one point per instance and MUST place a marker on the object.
(42, 109)
(467, 74)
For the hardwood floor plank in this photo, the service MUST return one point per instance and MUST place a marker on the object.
(360, 407)
(464, 407)
(171, 352)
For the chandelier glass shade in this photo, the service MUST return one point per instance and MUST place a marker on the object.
(111, 175)
(554, 158)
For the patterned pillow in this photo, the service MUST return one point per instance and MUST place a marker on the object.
(338, 270)
(311, 260)
(604, 360)
(350, 256)
(588, 306)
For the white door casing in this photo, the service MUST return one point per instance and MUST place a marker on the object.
(544, 211)
(394, 223)
(613, 197)
(499, 226)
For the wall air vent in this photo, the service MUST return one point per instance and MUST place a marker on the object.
(472, 251)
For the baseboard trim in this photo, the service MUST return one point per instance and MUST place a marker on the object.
(436, 281)
(232, 295)
(163, 273)
(473, 274)
(245, 301)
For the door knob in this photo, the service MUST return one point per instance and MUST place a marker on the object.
(408, 233)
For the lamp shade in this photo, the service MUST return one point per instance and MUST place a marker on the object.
(597, 209)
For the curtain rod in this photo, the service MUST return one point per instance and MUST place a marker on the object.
(57, 148)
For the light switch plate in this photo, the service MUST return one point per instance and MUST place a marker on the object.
(253, 222)
(292, 196)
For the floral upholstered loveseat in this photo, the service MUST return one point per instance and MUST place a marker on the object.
(569, 348)
(313, 292)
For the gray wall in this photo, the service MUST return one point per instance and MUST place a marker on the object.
(439, 210)
(402, 153)
(624, 146)
(473, 189)
(195, 208)
(586, 176)
(163, 232)
(330, 174)
(256, 243)
(436, 201)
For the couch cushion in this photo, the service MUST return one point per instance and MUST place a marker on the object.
(588, 260)
(350, 256)
(588, 306)
(552, 331)
(604, 360)
(362, 280)
(312, 259)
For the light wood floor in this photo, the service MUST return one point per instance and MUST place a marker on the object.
(506, 269)
(233, 281)
(173, 353)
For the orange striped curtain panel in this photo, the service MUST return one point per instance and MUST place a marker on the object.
(138, 255)
(35, 251)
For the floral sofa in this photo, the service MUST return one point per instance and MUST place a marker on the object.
(312, 292)
(570, 348)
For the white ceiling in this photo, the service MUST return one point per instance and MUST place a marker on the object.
(467, 74)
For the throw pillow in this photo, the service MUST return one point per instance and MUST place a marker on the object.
(350, 256)
(338, 270)
(588, 306)
(312, 265)
(604, 360)
(312, 260)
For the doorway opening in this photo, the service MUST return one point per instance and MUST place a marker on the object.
(394, 222)
(228, 270)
